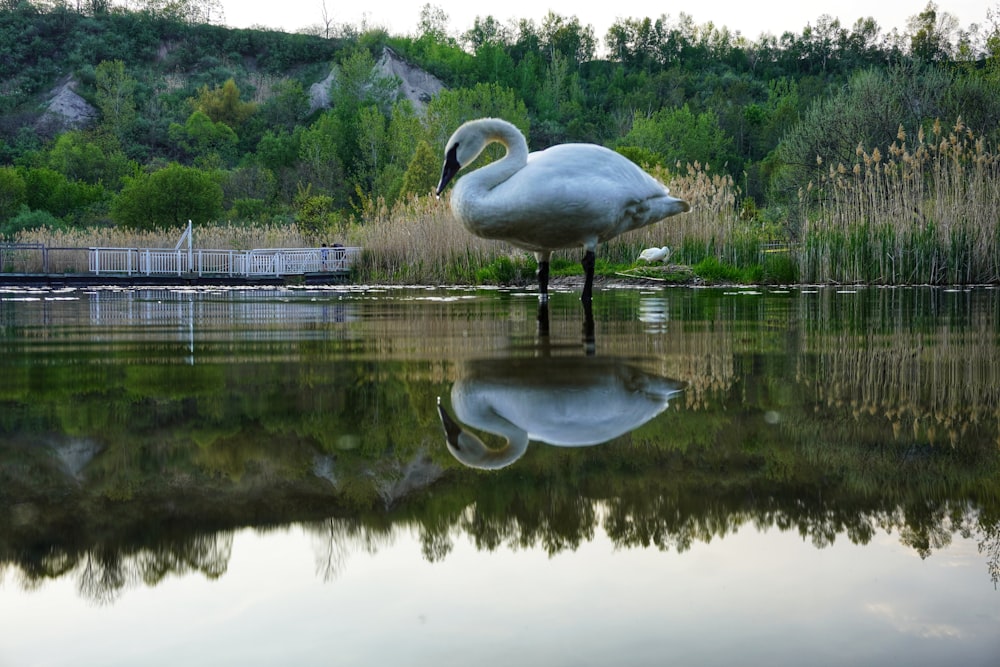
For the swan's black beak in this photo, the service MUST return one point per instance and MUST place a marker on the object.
(451, 167)
(452, 429)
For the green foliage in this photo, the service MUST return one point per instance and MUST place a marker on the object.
(506, 270)
(222, 104)
(315, 214)
(89, 158)
(248, 209)
(680, 135)
(868, 112)
(286, 108)
(116, 98)
(422, 172)
(53, 192)
(713, 270)
(780, 268)
(167, 198)
(319, 162)
(26, 220)
(451, 108)
(201, 137)
(13, 192)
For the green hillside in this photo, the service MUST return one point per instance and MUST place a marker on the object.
(178, 107)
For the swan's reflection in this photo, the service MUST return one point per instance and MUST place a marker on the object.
(564, 401)
(589, 336)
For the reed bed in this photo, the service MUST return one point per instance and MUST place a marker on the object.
(419, 241)
(922, 214)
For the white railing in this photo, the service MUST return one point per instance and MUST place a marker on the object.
(258, 262)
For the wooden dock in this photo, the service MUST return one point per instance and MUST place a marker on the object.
(32, 264)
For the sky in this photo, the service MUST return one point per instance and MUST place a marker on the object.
(401, 17)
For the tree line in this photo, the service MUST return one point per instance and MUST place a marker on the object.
(195, 120)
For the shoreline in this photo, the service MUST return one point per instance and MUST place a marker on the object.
(58, 280)
(619, 280)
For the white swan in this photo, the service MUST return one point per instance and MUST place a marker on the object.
(655, 254)
(566, 196)
(564, 401)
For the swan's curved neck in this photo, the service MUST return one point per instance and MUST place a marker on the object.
(517, 154)
(470, 450)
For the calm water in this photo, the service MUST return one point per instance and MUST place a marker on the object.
(259, 477)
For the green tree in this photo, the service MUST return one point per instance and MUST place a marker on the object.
(566, 36)
(320, 164)
(315, 215)
(116, 98)
(373, 145)
(223, 105)
(433, 23)
(930, 34)
(200, 137)
(278, 150)
(13, 192)
(26, 219)
(287, 107)
(451, 108)
(422, 173)
(90, 158)
(680, 135)
(50, 191)
(167, 198)
(868, 111)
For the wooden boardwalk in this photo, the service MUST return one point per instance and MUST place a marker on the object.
(32, 264)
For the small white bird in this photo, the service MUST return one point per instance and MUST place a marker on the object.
(655, 254)
(566, 196)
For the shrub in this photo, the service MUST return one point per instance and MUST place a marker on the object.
(26, 220)
(167, 198)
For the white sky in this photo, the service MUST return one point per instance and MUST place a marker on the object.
(401, 17)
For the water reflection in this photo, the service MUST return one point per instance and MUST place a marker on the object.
(589, 327)
(563, 401)
(139, 430)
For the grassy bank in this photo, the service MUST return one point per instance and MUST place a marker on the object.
(926, 213)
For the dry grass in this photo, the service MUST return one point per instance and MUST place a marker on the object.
(923, 214)
(419, 241)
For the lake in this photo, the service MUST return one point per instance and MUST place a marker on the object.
(357, 476)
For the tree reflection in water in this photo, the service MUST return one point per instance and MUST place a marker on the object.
(833, 416)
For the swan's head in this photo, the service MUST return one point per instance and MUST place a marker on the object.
(468, 142)
(473, 452)
(452, 165)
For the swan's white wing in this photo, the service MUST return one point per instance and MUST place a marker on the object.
(567, 196)
(589, 172)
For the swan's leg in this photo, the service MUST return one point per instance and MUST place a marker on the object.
(589, 260)
(589, 339)
(543, 275)
(543, 319)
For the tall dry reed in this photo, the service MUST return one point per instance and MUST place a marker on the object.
(419, 241)
(923, 214)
